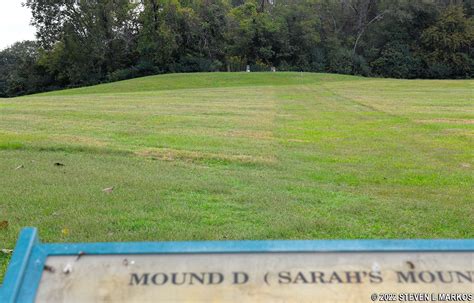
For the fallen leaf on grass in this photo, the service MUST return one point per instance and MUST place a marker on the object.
(19, 166)
(3, 224)
(108, 190)
(65, 231)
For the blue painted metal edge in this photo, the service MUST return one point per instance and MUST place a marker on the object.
(18, 265)
(259, 246)
(26, 267)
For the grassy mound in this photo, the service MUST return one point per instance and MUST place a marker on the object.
(240, 156)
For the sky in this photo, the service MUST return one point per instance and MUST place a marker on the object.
(14, 23)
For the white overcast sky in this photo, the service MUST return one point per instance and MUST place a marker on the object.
(14, 23)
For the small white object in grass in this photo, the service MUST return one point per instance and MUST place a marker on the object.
(6, 251)
(19, 166)
(108, 190)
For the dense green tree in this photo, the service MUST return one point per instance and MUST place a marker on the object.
(301, 34)
(254, 35)
(85, 40)
(19, 73)
(448, 42)
(158, 40)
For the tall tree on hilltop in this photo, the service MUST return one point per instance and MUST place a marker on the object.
(87, 39)
(449, 44)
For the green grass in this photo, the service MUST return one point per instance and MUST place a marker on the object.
(240, 156)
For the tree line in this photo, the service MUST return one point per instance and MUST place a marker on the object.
(84, 42)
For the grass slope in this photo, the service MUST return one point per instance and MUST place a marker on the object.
(240, 156)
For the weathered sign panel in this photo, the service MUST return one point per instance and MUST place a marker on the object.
(252, 277)
(242, 271)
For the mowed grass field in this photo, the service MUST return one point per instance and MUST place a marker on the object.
(240, 156)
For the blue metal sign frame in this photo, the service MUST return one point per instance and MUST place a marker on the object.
(28, 260)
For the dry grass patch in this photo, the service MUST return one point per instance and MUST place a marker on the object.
(264, 135)
(447, 120)
(80, 140)
(167, 154)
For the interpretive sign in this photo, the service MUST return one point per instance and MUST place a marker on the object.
(241, 271)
